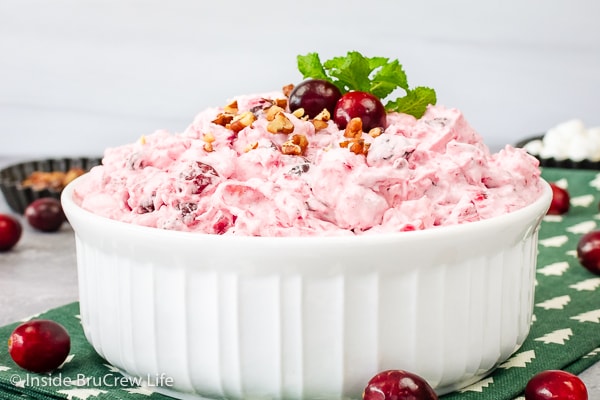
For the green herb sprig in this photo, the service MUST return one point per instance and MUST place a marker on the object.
(376, 75)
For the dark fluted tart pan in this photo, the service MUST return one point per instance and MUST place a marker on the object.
(555, 163)
(19, 196)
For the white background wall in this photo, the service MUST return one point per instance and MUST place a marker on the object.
(77, 76)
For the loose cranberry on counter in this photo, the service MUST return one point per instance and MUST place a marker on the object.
(561, 201)
(45, 214)
(588, 251)
(360, 105)
(398, 385)
(555, 385)
(10, 232)
(39, 345)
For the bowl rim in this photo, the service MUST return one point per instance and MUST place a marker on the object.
(527, 215)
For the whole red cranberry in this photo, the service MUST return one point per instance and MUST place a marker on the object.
(39, 345)
(588, 251)
(398, 385)
(314, 95)
(361, 105)
(555, 385)
(561, 201)
(10, 232)
(45, 214)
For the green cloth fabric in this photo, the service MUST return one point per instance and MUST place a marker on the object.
(565, 332)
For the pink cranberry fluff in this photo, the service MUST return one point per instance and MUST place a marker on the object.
(251, 169)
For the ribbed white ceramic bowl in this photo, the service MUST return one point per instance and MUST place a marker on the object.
(307, 317)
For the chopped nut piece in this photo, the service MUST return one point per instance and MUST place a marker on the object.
(280, 124)
(374, 132)
(359, 147)
(280, 102)
(208, 137)
(231, 108)
(354, 128)
(291, 149)
(299, 113)
(208, 147)
(272, 111)
(318, 124)
(324, 115)
(143, 139)
(295, 146)
(53, 180)
(223, 119)
(251, 146)
(301, 141)
(71, 174)
(242, 121)
(287, 89)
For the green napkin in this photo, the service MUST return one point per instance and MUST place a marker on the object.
(85, 375)
(565, 332)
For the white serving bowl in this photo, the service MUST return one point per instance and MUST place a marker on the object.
(239, 317)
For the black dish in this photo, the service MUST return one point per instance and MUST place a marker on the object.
(554, 163)
(18, 196)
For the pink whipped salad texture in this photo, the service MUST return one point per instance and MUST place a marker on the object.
(418, 174)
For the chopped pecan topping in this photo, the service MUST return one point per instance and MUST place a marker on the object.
(298, 113)
(208, 147)
(251, 146)
(223, 119)
(272, 111)
(287, 89)
(208, 137)
(318, 124)
(242, 121)
(229, 113)
(324, 115)
(354, 128)
(374, 132)
(280, 124)
(357, 146)
(295, 146)
(320, 120)
(280, 103)
(231, 108)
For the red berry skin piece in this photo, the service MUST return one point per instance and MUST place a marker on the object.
(360, 105)
(45, 214)
(398, 385)
(10, 232)
(39, 345)
(588, 251)
(561, 201)
(555, 385)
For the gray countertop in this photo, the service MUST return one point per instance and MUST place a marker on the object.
(40, 273)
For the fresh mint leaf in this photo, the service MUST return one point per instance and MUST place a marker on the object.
(310, 66)
(387, 79)
(414, 103)
(352, 71)
(376, 62)
(376, 75)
